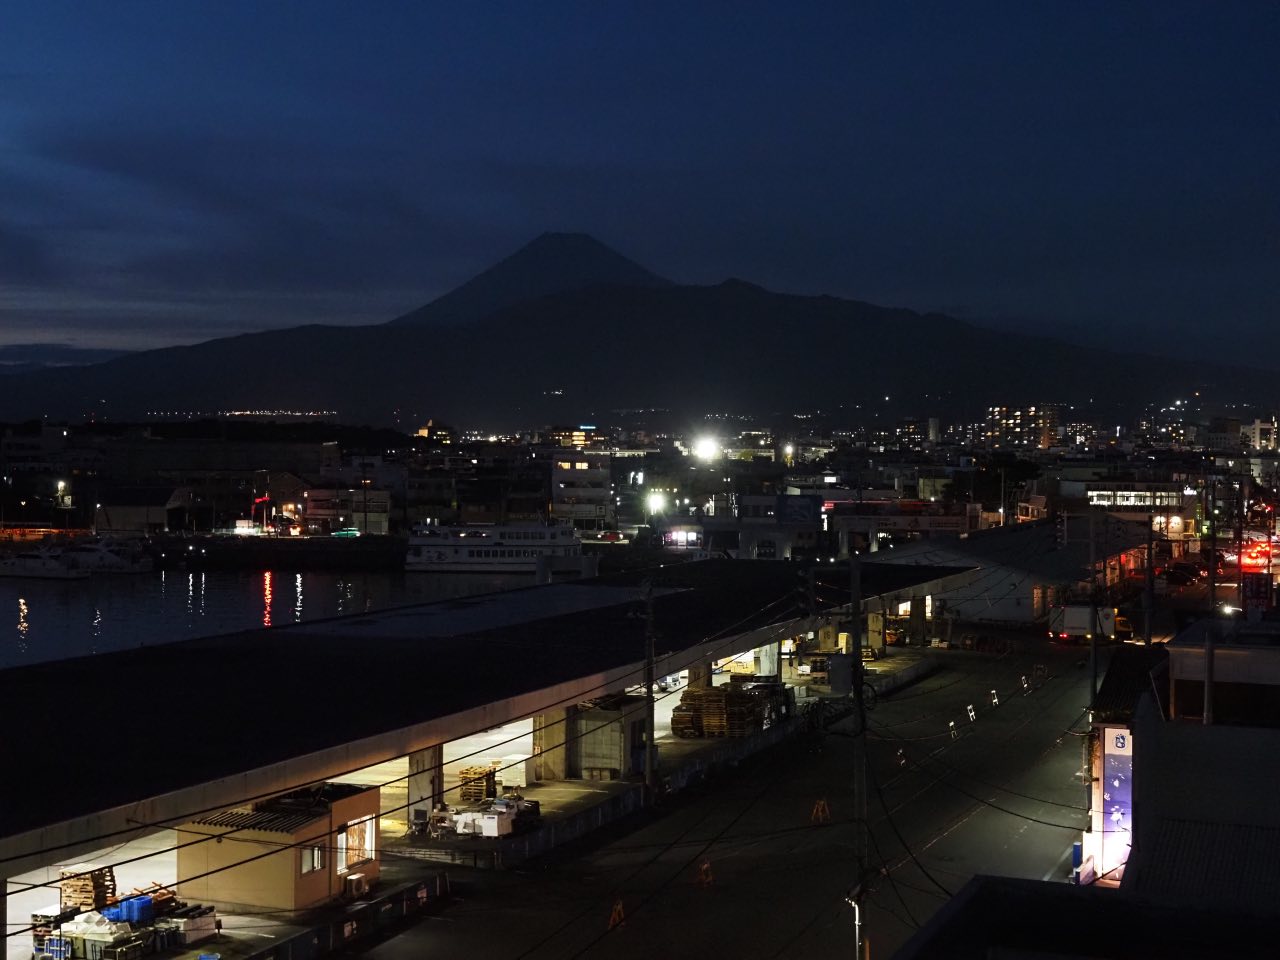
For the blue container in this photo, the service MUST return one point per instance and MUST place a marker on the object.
(114, 914)
(138, 909)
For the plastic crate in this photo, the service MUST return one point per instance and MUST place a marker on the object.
(138, 909)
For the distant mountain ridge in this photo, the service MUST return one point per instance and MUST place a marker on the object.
(566, 329)
(552, 263)
(31, 357)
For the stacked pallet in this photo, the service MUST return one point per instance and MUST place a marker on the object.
(725, 711)
(474, 781)
(714, 711)
(87, 887)
(686, 722)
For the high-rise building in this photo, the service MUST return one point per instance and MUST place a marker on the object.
(1031, 426)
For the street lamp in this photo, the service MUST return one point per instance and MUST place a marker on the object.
(857, 925)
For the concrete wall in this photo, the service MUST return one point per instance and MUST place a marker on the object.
(262, 881)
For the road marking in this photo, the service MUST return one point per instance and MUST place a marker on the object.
(1056, 871)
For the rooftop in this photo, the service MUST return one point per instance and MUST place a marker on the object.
(168, 716)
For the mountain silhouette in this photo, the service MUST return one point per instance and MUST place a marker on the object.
(552, 263)
(566, 330)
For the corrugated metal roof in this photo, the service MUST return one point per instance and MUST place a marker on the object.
(268, 821)
(1221, 865)
(1128, 677)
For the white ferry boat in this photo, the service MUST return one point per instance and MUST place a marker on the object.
(501, 548)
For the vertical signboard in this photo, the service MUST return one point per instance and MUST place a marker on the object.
(1117, 800)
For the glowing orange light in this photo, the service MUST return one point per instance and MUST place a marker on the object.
(266, 598)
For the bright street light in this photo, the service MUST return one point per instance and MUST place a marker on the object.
(706, 448)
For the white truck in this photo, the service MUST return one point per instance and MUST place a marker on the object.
(1075, 622)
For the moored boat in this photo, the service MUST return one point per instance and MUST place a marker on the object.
(498, 548)
(44, 563)
(104, 556)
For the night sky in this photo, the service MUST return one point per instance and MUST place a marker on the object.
(172, 172)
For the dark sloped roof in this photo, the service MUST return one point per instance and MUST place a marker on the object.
(217, 706)
(1225, 865)
(1006, 917)
(156, 495)
(1127, 679)
(1031, 547)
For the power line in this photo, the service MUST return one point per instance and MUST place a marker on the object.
(604, 686)
(281, 845)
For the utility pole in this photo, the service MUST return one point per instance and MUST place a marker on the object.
(1149, 589)
(1213, 548)
(650, 778)
(1093, 616)
(1240, 542)
(860, 745)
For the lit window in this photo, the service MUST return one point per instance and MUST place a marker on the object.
(312, 858)
(357, 843)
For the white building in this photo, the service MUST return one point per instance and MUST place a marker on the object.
(582, 489)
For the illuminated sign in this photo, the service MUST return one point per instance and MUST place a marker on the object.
(1117, 800)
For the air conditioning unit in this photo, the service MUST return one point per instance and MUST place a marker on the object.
(357, 885)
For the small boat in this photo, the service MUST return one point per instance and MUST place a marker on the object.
(498, 548)
(42, 564)
(106, 556)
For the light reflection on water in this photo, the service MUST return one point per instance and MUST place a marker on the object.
(24, 626)
(266, 598)
(59, 619)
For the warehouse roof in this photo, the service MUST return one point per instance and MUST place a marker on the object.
(1007, 917)
(1031, 547)
(167, 716)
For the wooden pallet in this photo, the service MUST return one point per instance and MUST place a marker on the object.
(474, 781)
(87, 887)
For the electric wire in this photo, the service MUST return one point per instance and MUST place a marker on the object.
(604, 686)
(279, 846)
(893, 825)
(487, 749)
(683, 868)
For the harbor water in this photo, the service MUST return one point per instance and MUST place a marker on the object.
(42, 620)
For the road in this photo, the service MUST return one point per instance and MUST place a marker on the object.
(758, 864)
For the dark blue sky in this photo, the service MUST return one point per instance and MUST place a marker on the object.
(171, 172)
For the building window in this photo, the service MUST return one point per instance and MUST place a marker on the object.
(312, 858)
(356, 843)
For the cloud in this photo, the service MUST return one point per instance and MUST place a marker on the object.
(25, 258)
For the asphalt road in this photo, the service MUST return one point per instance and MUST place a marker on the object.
(747, 867)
